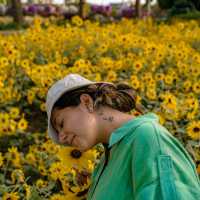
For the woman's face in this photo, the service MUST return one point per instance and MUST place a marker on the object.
(75, 126)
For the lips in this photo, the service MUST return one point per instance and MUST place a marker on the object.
(72, 139)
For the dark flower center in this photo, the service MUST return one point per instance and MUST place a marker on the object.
(196, 129)
(76, 153)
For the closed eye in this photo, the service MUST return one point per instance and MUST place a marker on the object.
(62, 123)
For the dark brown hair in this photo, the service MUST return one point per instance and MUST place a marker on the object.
(119, 96)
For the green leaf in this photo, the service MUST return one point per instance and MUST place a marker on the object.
(2, 178)
(180, 130)
(194, 143)
(3, 189)
(34, 194)
(47, 189)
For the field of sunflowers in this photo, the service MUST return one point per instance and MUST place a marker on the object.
(160, 60)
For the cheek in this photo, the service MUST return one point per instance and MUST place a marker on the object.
(71, 123)
(86, 136)
(82, 126)
(83, 123)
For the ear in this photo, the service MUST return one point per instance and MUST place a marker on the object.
(87, 101)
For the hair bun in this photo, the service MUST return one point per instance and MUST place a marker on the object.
(129, 101)
(126, 97)
(122, 86)
(127, 89)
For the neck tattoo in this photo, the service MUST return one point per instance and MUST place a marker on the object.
(109, 118)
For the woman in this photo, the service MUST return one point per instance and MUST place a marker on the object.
(142, 160)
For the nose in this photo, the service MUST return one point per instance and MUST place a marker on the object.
(62, 137)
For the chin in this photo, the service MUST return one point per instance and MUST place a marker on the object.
(84, 148)
(82, 145)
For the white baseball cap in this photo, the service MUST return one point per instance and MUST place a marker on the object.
(68, 83)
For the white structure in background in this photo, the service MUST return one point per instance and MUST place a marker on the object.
(106, 2)
(98, 2)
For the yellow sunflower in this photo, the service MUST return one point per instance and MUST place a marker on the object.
(17, 175)
(43, 106)
(159, 76)
(193, 130)
(58, 197)
(57, 170)
(14, 112)
(41, 183)
(187, 85)
(30, 96)
(135, 82)
(1, 159)
(196, 87)
(27, 190)
(168, 79)
(65, 60)
(10, 196)
(111, 76)
(22, 124)
(73, 157)
(14, 156)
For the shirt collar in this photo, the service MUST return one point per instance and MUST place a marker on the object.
(123, 130)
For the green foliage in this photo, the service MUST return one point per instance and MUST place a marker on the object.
(197, 4)
(12, 26)
(35, 194)
(180, 6)
(165, 4)
(189, 15)
(32, 173)
(19, 140)
(3, 2)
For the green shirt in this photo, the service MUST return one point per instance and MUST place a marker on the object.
(144, 161)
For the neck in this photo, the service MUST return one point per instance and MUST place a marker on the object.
(108, 120)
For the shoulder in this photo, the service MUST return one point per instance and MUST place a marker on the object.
(146, 126)
(145, 138)
(146, 131)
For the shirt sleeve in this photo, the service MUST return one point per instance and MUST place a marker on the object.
(151, 170)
